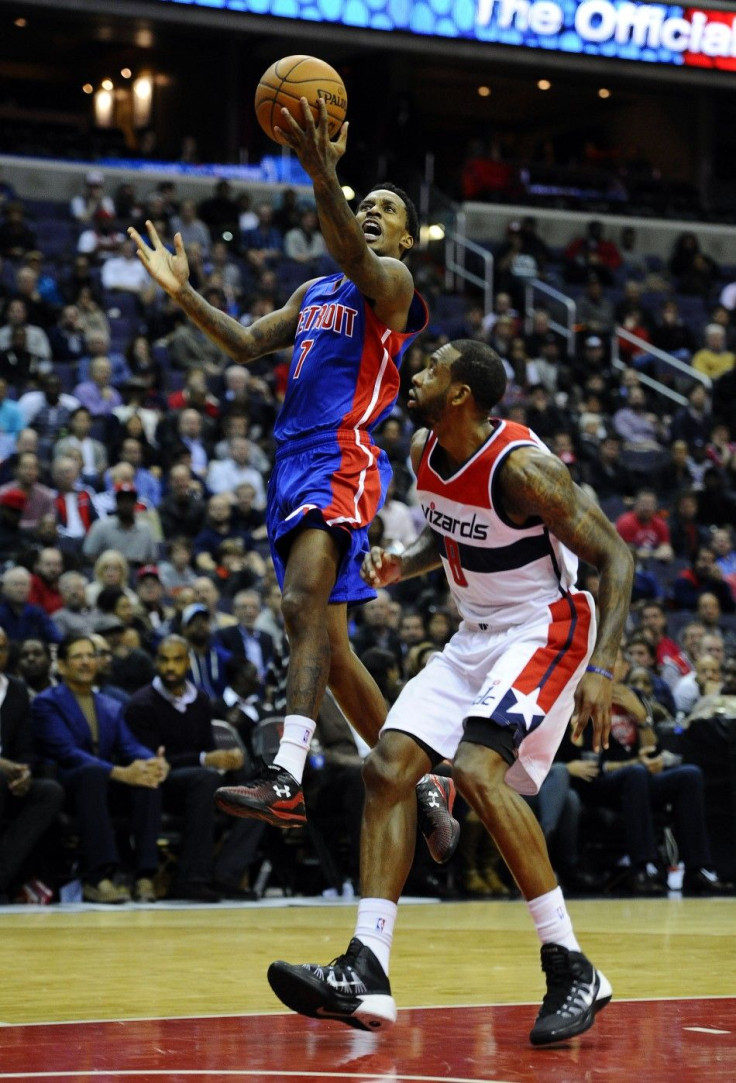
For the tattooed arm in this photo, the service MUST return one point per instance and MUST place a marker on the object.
(534, 484)
(275, 331)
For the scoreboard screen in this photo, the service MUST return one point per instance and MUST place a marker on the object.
(631, 30)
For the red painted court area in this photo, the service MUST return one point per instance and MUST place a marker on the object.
(657, 1041)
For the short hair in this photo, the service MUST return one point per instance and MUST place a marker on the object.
(481, 368)
(68, 642)
(412, 218)
(36, 639)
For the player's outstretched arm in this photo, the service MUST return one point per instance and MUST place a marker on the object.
(171, 270)
(533, 484)
(385, 281)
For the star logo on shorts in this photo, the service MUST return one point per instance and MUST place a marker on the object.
(525, 705)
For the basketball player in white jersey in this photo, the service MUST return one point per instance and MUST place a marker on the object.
(508, 525)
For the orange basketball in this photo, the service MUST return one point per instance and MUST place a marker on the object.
(295, 77)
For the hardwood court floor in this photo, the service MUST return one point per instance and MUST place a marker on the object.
(465, 975)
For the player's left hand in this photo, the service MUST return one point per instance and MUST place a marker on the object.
(593, 704)
(311, 142)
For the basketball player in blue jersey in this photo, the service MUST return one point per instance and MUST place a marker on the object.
(507, 523)
(349, 332)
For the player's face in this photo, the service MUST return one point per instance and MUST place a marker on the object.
(382, 217)
(431, 386)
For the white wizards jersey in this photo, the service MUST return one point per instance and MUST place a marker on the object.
(499, 573)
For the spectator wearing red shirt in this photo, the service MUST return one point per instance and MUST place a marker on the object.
(592, 253)
(673, 660)
(644, 529)
(45, 581)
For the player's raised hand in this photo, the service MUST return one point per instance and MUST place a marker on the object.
(380, 568)
(171, 271)
(311, 142)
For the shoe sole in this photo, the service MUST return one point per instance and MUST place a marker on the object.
(307, 995)
(603, 997)
(246, 808)
(441, 857)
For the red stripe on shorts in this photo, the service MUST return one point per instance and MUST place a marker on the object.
(551, 667)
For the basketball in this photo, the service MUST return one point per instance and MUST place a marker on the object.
(295, 77)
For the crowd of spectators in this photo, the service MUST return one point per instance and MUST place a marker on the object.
(138, 600)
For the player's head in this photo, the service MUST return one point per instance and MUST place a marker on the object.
(383, 205)
(462, 372)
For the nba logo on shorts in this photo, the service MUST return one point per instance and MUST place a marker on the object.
(380, 923)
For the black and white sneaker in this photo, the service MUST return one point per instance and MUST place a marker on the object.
(435, 798)
(352, 988)
(576, 992)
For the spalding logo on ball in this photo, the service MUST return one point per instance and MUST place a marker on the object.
(295, 77)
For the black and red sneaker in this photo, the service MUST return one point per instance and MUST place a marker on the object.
(435, 798)
(275, 797)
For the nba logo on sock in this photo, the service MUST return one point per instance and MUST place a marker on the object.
(380, 924)
(306, 738)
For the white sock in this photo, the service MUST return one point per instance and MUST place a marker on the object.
(294, 746)
(374, 927)
(552, 920)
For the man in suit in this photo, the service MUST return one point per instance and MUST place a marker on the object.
(100, 764)
(172, 712)
(243, 639)
(28, 805)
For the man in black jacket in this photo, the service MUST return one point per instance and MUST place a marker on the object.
(28, 806)
(178, 716)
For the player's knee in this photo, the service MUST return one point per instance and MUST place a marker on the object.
(384, 776)
(301, 610)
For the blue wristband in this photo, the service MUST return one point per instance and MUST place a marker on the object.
(600, 671)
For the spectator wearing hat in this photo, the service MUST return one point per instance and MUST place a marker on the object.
(122, 531)
(130, 667)
(150, 591)
(92, 198)
(39, 498)
(18, 617)
(207, 659)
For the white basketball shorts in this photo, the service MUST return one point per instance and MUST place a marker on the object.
(523, 677)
